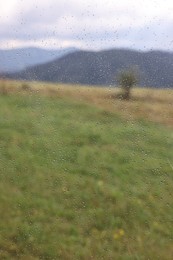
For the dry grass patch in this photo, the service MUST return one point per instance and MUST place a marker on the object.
(155, 105)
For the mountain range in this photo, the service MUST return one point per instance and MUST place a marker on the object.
(14, 60)
(101, 68)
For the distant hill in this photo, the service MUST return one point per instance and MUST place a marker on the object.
(18, 59)
(101, 68)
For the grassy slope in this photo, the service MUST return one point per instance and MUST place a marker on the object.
(80, 182)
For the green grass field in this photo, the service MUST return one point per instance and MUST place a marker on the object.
(78, 181)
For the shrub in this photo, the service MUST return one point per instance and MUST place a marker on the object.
(26, 87)
(127, 79)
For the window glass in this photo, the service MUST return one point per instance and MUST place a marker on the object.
(86, 129)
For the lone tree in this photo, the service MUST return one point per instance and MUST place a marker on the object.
(127, 79)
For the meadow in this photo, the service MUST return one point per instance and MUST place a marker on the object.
(84, 175)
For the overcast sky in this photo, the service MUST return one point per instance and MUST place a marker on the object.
(87, 24)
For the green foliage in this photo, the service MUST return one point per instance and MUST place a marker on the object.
(127, 79)
(79, 183)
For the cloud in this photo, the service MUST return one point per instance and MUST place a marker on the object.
(87, 24)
